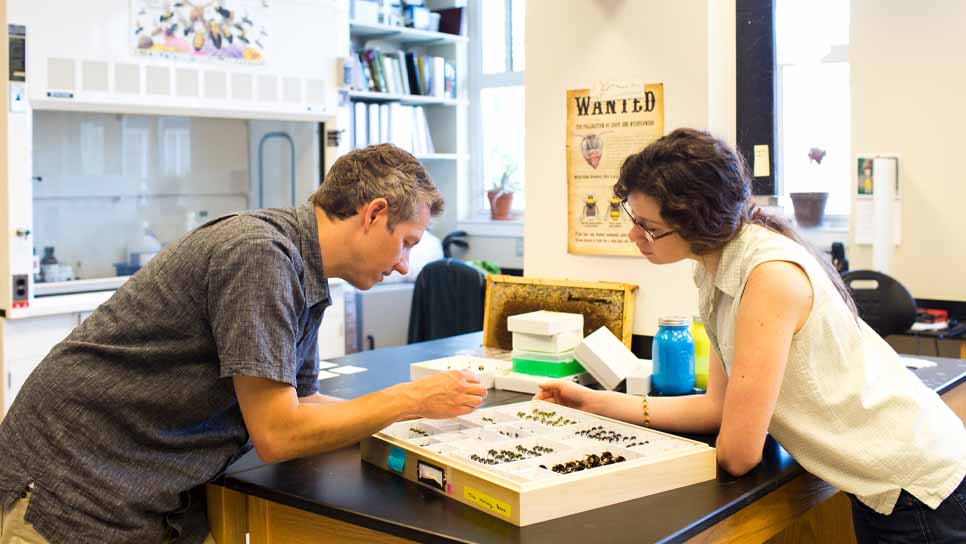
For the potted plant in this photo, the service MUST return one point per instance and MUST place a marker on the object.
(810, 206)
(501, 195)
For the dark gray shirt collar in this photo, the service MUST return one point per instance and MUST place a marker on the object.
(316, 282)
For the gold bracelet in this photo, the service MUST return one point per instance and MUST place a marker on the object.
(647, 415)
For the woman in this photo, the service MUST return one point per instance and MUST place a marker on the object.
(790, 356)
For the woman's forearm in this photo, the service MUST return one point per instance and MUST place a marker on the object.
(687, 414)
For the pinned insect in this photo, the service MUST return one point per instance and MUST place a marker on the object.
(414, 432)
(613, 437)
(546, 418)
(590, 461)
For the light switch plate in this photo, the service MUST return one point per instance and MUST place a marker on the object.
(18, 98)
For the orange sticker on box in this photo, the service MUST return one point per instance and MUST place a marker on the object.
(487, 502)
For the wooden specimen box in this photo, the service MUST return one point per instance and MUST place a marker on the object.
(534, 461)
(603, 304)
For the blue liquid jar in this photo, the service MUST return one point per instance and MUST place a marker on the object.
(673, 355)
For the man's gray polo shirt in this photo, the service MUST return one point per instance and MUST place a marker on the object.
(136, 407)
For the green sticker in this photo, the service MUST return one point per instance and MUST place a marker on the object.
(397, 458)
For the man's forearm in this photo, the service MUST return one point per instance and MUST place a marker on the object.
(318, 398)
(316, 427)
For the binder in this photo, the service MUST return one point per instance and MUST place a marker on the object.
(439, 76)
(373, 122)
(384, 128)
(400, 122)
(360, 120)
(422, 125)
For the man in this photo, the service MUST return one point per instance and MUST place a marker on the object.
(214, 343)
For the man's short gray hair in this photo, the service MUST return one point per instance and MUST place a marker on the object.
(385, 171)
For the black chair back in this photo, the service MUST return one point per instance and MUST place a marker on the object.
(887, 307)
(447, 300)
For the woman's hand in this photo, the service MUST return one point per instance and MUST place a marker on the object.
(569, 394)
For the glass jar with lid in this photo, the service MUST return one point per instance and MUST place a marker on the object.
(673, 355)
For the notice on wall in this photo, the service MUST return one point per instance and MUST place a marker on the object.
(605, 125)
(224, 30)
(878, 202)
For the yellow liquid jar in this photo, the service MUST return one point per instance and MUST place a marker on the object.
(702, 348)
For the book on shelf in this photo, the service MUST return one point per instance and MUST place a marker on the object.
(402, 125)
(412, 74)
(451, 20)
(403, 73)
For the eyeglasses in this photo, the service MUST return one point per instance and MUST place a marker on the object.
(649, 234)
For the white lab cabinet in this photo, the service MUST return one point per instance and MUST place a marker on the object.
(24, 343)
(332, 330)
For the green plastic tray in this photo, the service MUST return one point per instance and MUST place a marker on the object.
(544, 368)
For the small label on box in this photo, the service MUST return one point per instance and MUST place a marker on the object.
(487, 502)
(397, 458)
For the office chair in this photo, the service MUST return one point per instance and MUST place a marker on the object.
(447, 300)
(888, 307)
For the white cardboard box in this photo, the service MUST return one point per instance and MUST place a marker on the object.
(606, 358)
(639, 380)
(547, 343)
(528, 383)
(486, 368)
(545, 322)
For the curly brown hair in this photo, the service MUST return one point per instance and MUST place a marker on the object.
(385, 171)
(704, 190)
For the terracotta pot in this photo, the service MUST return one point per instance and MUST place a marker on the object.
(809, 208)
(500, 204)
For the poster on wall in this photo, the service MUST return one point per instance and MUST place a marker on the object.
(605, 125)
(224, 30)
(877, 199)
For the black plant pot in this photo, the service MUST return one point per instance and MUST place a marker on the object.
(809, 208)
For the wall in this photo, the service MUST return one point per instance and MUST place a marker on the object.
(688, 46)
(908, 83)
(505, 251)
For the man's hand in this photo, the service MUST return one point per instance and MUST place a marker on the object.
(282, 426)
(443, 395)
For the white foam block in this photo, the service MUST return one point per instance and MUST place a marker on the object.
(348, 369)
(526, 383)
(606, 358)
(325, 364)
(550, 343)
(487, 369)
(639, 380)
(545, 322)
(325, 375)
(912, 362)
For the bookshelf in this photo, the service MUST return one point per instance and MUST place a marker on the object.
(428, 110)
(410, 99)
(408, 35)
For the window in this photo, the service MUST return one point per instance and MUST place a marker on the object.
(496, 67)
(812, 80)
